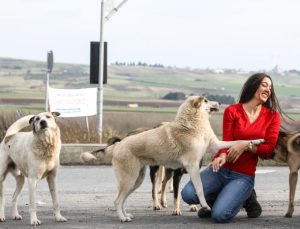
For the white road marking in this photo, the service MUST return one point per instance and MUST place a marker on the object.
(263, 171)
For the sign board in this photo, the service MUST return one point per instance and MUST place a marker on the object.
(73, 102)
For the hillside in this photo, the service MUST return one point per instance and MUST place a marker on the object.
(24, 79)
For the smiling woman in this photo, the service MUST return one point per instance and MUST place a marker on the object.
(228, 183)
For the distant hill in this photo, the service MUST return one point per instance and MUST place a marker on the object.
(26, 79)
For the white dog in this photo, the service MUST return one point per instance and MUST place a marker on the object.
(34, 155)
(180, 143)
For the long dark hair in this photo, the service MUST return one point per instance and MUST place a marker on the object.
(251, 86)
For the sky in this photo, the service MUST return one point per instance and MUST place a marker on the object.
(243, 34)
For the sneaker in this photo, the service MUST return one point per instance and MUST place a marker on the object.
(204, 213)
(252, 207)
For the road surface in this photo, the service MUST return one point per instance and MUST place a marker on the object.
(87, 193)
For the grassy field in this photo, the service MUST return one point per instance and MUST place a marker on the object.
(20, 79)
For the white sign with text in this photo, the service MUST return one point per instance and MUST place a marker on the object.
(73, 102)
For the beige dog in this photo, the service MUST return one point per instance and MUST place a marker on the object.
(34, 155)
(180, 143)
(288, 151)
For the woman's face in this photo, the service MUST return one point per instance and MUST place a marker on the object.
(264, 90)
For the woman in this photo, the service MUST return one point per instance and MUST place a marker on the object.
(228, 182)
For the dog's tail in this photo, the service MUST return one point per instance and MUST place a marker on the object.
(18, 125)
(102, 156)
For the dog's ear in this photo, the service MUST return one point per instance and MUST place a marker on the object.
(296, 142)
(31, 120)
(55, 114)
(196, 103)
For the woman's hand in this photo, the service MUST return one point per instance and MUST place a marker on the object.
(235, 151)
(218, 162)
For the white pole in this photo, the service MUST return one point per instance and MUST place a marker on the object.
(49, 70)
(87, 125)
(47, 93)
(100, 77)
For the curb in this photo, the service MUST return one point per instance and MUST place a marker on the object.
(70, 155)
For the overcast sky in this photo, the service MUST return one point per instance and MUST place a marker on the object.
(247, 34)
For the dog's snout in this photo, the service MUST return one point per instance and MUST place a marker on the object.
(219, 103)
(43, 124)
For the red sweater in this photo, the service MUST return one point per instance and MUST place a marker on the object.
(236, 126)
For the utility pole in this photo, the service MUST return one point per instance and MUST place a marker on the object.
(49, 70)
(100, 76)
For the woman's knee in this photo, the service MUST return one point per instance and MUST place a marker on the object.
(221, 216)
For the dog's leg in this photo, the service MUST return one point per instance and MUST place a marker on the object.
(153, 177)
(32, 182)
(193, 170)
(2, 199)
(137, 184)
(128, 180)
(293, 178)
(160, 176)
(20, 180)
(176, 180)
(217, 145)
(168, 175)
(53, 191)
(3, 173)
(171, 185)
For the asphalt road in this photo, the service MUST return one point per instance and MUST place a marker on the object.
(87, 193)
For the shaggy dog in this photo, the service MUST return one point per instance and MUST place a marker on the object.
(180, 143)
(288, 151)
(34, 155)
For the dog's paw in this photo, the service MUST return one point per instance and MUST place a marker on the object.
(60, 218)
(258, 141)
(289, 214)
(193, 208)
(156, 207)
(163, 203)
(17, 217)
(125, 219)
(35, 222)
(128, 215)
(176, 212)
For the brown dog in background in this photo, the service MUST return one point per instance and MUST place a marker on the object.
(288, 151)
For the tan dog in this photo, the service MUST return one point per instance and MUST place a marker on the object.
(288, 151)
(34, 155)
(180, 143)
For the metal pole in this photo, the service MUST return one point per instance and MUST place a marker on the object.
(47, 93)
(49, 70)
(100, 78)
